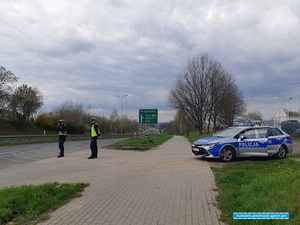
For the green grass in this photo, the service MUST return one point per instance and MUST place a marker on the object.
(264, 185)
(29, 204)
(38, 141)
(8, 128)
(144, 143)
(195, 135)
(259, 186)
(296, 139)
(24, 142)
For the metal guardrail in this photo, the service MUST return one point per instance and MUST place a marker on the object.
(54, 137)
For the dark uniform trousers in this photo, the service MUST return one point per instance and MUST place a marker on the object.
(94, 147)
(61, 141)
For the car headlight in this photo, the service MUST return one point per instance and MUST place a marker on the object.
(213, 144)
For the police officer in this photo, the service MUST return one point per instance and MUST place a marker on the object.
(94, 136)
(62, 134)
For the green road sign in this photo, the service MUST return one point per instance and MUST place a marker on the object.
(148, 116)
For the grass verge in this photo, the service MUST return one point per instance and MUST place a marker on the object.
(29, 204)
(259, 186)
(24, 142)
(195, 135)
(266, 185)
(142, 143)
(38, 141)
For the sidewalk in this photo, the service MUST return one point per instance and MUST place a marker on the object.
(163, 186)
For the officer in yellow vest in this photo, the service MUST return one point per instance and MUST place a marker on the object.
(94, 136)
(62, 134)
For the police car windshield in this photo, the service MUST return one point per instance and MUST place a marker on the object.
(228, 132)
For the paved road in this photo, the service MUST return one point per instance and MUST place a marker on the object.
(162, 186)
(12, 155)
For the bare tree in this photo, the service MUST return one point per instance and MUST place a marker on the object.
(88, 110)
(233, 104)
(179, 118)
(255, 116)
(72, 111)
(7, 78)
(114, 116)
(182, 122)
(216, 93)
(190, 92)
(206, 92)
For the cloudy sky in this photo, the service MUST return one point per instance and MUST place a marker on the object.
(89, 51)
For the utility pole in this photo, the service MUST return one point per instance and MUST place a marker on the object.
(287, 108)
(121, 100)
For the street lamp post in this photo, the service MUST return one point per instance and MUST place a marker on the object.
(287, 108)
(121, 99)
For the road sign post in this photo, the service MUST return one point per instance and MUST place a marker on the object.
(148, 116)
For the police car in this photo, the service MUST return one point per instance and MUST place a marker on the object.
(235, 142)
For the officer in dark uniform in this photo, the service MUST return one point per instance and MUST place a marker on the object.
(94, 136)
(62, 134)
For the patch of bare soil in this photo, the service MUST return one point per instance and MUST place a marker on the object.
(215, 163)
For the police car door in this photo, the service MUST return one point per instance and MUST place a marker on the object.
(275, 139)
(253, 142)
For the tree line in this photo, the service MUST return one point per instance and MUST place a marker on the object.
(78, 118)
(20, 105)
(204, 94)
(17, 103)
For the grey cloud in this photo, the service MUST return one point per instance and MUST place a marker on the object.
(82, 49)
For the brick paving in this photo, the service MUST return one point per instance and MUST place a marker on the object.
(162, 186)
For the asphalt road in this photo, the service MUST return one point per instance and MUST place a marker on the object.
(12, 155)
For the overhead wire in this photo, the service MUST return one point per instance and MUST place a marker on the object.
(273, 94)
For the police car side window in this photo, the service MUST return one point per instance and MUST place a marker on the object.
(262, 133)
(256, 133)
(271, 132)
(275, 132)
(250, 134)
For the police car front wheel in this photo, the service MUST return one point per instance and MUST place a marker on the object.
(227, 154)
(281, 152)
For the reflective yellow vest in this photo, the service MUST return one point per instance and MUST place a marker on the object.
(93, 131)
(62, 133)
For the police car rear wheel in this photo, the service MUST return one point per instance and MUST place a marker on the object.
(227, 154)
(281, 152)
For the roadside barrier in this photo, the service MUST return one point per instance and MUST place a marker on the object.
(54, 137)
